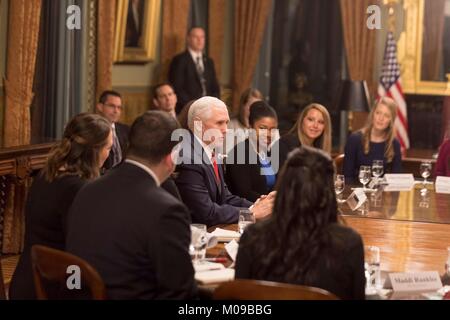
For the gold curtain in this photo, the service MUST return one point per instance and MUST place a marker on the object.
(434, 19)
(359, 40)
(175, 22)
(105, 44)
(23, 31)
(249, 26)
(216, 32)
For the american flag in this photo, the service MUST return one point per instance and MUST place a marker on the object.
(390, 85)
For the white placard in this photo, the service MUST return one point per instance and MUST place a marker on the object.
(442, 185)
(414, 281)
(232, 249)
(399, 181)
(356, 199)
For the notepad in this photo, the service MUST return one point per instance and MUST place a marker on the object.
(214, 276)
(207, 266)
(443, 185)
(225, 235)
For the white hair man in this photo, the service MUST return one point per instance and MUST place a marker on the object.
(200, 177)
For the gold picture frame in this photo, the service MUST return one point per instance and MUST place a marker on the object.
(410, 47)
(135, 40)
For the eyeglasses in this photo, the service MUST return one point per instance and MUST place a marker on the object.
(112, 106)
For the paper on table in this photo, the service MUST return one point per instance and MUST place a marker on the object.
(225, 235)
(214, 276)
(206, 266)
(442, 185)
(356, 199)
(399, 181)
(212, 240)
(232, 249)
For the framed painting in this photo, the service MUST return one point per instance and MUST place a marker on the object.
(137, 30)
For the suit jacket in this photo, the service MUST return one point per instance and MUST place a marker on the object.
(209, 202)
(184, 78)
(45, 218)
(338, 269)
(135, 234)
(245, 179)
(122, 131)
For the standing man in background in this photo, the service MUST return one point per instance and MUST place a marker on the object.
(192, 73)
(110, 106)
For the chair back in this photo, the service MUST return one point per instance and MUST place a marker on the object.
(265, 290)
(51, 265)
(339, 163)
(2, 284)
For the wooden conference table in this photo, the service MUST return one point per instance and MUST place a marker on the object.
(411, 230)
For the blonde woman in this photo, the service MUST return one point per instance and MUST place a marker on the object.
(376, 141)
(313, 129)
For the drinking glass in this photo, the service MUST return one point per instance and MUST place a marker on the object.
(377, 169)
(425, 170)
(246, 218)
(372, 269)
(364, 175)
(197, 249)
(339, 185)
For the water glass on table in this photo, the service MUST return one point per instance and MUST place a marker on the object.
(377, 169)
(372, 269)
(246, 217)
(339, 185)
(425, 171)
(197, 248)
(364, 175)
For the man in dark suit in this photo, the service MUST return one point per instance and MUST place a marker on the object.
(110, 106)
(135, 234)
(192, 73)
(200, 176)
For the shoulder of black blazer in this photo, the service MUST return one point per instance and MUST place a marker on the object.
(122, 131)
(247, 170)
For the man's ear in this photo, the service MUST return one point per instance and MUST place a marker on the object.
(99, 107)
(169, 162)
(155, 103)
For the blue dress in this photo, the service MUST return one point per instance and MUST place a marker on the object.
(355, 157)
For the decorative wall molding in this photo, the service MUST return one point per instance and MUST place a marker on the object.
(136, 100)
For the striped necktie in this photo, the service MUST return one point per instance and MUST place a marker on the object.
(116, 150)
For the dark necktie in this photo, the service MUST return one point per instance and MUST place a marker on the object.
(116, 150)
(201, 75)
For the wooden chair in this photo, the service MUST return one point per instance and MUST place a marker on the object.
(264, 290)
(50, 265)
(2, 284)
(339, 163)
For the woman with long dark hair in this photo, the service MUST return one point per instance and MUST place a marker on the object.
(76, 159)
(302, 242)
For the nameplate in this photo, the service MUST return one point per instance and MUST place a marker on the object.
(442, 185)
(399, 181)
(414, 281)
(356, 199)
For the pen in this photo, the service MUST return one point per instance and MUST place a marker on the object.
(216, 259)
